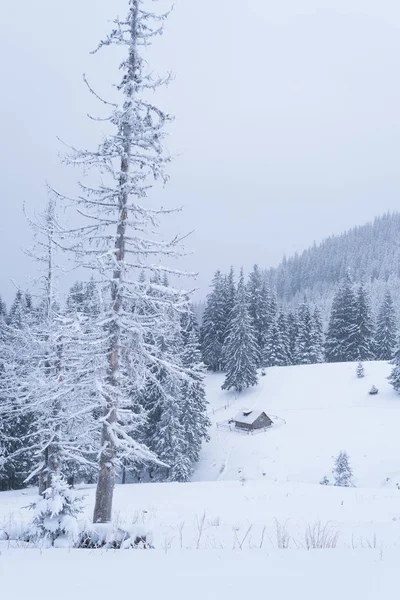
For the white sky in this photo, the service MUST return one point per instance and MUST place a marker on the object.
(287, 119)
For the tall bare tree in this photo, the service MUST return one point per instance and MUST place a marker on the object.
(117, 240)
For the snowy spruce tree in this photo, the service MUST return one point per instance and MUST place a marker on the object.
(342, 336)
(283, 352)
(292, 329)
(213, 331)
(240, 350)
(259, 300)
(194, 417)
(342, 472)
(271, 319)
(364, 326)
(317, 338)
(46, 382)
(16, 418)
(360, 371)
(116, 242)
(304, 350)
(56, 514)
(386, 330)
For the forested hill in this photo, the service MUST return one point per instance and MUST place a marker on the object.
(371, 252)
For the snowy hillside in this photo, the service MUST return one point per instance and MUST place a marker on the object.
(322, 409)
(256, 505)
(370, 251)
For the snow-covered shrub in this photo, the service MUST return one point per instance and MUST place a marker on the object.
(55, 522)
(373, 391)
(324, 481)
(360, 371)
(318, 536)
(342, 471)
(113, 537)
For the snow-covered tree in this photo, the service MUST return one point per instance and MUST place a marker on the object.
(194, 417)
(56, 514)
(283, 351)
(394, 377)
(360, 371)
(259, 300)
(240, 349)
(116, 242)
(364, 326)
(317, 338)
(386, 330)
(293, 330)
(304, 352)
(213, 331)
(341, 339)
(342, 471)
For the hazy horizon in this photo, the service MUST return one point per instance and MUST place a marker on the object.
(287, 124)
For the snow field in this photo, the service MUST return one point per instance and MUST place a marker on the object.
(251, 520)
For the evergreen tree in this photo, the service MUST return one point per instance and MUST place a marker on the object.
(317, 338)
(271, 318)
(284, 357)
(360, 371)
(386, 330)
(194, 417)
(293, 330)
(16, 419)
(342, 336)
(305, 352)
(274, 351)
(259, 301)
(240, 348)
(364, 326)
(214, 322)
(342, 471)
(394, 377)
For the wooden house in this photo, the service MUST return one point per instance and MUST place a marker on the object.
(251, 420)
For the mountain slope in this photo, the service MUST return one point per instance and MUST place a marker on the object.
(324, 409)
(371, 252)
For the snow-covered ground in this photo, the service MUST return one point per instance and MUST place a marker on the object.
(326, 409)
(255, 505)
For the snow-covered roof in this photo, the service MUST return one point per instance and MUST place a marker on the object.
(248, 416)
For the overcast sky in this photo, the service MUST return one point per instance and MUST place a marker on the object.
(287, 119)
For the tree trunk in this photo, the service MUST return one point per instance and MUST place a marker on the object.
(108, 456)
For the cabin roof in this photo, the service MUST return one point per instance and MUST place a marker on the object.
(248, 416)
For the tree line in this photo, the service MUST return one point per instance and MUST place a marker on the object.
(166, 413)
(244, 328)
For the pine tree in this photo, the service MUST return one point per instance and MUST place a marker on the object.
(293, 330)
(283, 352)
(56, 516)
(270, 322)
(16, 419)
(117, 242)
(341, 339)
(304, 352)
(241, 347)
(364, 326)
(394, 377)
(342, 471)
(259, 301)
(360, 371)
(213, 331)
(317, 338)
(194, 417)
(386, 330)
(228, 294)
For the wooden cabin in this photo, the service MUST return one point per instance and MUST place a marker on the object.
(251, 420)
